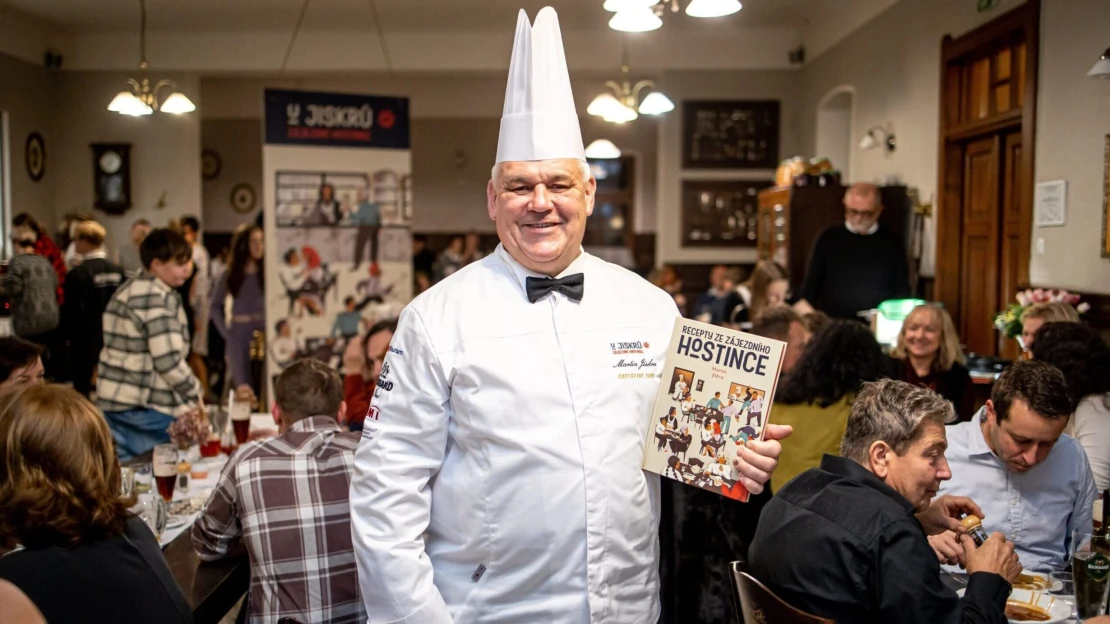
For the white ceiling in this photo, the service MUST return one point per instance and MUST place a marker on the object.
(87, 16)
(252, 36)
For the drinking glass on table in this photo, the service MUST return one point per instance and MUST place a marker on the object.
(126, 481)
(1090, 573)
(143, 478)
(165, 469)
(154, 512)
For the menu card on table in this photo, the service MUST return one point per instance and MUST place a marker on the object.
(715, 395)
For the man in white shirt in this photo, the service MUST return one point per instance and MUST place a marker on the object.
(1032, 481)
(499, 476)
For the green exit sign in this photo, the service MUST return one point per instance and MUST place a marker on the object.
(986, 5)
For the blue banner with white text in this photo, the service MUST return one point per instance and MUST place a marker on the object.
(336, 119)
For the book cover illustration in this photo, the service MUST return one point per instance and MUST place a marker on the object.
(715, 394)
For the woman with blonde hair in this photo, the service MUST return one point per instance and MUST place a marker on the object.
(65, 521)
(1040, 313)
(928, 354)
(767, 286)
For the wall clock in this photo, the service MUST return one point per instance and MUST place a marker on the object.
(243, 198)
(112, 177)
(34, 155)
(210, 164)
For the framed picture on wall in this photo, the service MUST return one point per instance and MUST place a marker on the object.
(730, 134)
(1106, 199)
(721, 213)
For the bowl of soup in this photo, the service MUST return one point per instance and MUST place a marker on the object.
(1024, 606)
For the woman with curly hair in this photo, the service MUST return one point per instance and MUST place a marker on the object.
(817, 394)
(928, 354)
(1084, 358)
(64, 519)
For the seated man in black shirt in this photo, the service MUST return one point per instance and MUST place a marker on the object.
(858, 265)
(847, 540)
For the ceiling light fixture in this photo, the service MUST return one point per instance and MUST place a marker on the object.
(602, 149)
(624, 104)
(141, 98)
(639, 19)
(1101, 68)
(645, 15)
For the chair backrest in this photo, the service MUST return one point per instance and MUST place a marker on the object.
(761, 606)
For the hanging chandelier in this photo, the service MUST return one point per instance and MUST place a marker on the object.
(623, 104)
(142, 99)
(646, 15)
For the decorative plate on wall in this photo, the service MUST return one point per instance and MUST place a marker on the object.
(210, 164)
(243, 198)
(34, 154)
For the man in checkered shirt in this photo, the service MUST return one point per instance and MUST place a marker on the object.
(143, 379)
(287, 498)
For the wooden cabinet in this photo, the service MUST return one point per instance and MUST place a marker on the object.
(791, 219)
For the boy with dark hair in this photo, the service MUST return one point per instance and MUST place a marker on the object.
(89, 287)
(274, 493)
(144, 379)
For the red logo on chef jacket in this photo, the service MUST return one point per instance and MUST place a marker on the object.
(386, 119)
(372, 413)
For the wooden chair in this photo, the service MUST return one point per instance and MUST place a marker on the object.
(760, 605)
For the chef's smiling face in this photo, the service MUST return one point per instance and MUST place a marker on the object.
(540, 208)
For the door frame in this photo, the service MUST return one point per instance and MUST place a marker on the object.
(948, 212)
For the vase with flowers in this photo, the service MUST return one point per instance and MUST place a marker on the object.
(1008, 321)
(189, 429)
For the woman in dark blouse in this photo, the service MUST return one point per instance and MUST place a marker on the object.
(70, 543)
(928, 354)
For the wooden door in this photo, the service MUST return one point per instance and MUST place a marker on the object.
(990, 195)
(979, 243)
(984, 206)
(1014, 252)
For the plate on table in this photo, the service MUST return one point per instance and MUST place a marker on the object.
(1025, 606)
(176, 522)
(1035, 581)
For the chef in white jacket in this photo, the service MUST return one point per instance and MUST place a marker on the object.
(498, 478)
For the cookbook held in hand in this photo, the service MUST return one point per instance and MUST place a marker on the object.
(714, 396)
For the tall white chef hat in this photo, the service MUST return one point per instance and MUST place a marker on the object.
(539, 121)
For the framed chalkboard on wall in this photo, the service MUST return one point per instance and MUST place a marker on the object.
(730, 134)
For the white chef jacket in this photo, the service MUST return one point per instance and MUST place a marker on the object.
(508, 434)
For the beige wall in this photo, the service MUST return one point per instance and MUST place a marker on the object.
(165, 151)
(1073, 119)
(753, 85)
(238, 142)
(26, 92)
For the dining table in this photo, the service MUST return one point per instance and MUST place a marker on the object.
(212, 588)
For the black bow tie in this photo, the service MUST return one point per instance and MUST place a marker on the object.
(573, 286)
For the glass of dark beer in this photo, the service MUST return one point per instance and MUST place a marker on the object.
(165, 469)
(1090, 564)
(241, 421)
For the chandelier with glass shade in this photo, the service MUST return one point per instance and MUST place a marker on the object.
(142, 99)
(645, 15)
(623, 103)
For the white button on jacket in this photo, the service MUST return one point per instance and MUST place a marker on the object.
(510, 435)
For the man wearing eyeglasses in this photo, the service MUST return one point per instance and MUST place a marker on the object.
(860, 265)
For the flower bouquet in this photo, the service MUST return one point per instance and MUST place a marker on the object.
(1008, 321)
(189, 429)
